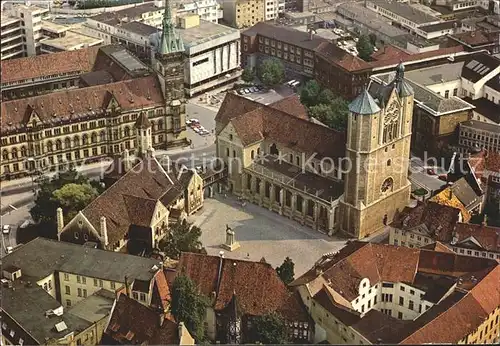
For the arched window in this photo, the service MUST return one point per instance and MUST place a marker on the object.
(273, 149)
(50, 146)
(102, 136)
(23, 151)
(76, 141)
(389, 162)
(14, 153)
(252, 154)
(58, 144)
(126, 131)
(85, 139)
(153, 126)
(5, 155)
(391, 123)
(93, 137)
(160, 124)
(67, 142)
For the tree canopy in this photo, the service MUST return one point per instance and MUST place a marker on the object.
(248, 75)
(269, 329)
(364, 47)
(188, 306)
(183, 237)
(286, 271)
(323, 105)
(271, 72)
(74, 197)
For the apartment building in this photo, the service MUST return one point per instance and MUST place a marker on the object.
(208, 10)
(12, 38)
(31, 18)
(372, 293)
(294, 48)
(478, 134)
(72, 108)
(48, 281)
(60, 38)
(246, 13)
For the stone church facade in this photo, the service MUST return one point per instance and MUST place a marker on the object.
(351, 182)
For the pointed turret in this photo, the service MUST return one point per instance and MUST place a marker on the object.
(404, 89)
(364, 104)
(170, 41)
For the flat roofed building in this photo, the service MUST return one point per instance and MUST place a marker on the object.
(372, 293)
(12, 44)
(477, 134)
(244, 13)
(69, 40)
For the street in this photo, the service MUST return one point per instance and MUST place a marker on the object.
(17, 196)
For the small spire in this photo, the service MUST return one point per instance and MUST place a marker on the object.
(170, 41)
(400, 71)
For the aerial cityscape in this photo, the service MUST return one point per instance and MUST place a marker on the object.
(181, 172)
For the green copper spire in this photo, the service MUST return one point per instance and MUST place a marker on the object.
(170, 42)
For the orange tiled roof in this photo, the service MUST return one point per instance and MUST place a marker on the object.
(84, 102)
(487, 236)
(80, 60)
(447, 197)
(257, 287)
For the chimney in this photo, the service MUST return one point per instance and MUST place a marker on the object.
(104, 231)
(221, 255)
(127, 287)
(60, 222)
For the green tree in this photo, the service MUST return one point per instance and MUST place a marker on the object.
(248, 75)
(365, 47)
(271, 72)
(333, 115)
(183, 237)
(326, 96)
(286, 271)
(269, 329)
(188, 306)
(309, 93)
(74, 197)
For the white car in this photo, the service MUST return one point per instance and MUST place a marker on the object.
(247, 91)
(188, 122)
(6, 229)
(194, 121)
(9, 249)
(197, 130)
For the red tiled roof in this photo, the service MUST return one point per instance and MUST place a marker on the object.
(132, 323)
(438, 247)
(163, 289)
(340, 57)
(389, 52)
(487, 236)
(75, 103)
(257, 287)
(254, 123)
(291, 105)
(493, 161)
(80, 60)
(477, 37)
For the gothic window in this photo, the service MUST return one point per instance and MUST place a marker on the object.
(76, 141)
(23, 151)
(67, 142)
(5, 155)
(126, 131)
(85, 139)
(252, 154)
(14, 153)
(391, 123)
(387, 185)
(93, 137)
(103, 136)
(160, 124)
(58, 145)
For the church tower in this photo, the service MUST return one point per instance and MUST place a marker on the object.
(378, 149)
(168, 60)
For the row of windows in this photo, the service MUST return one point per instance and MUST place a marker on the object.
(12, 334)
(476, 253)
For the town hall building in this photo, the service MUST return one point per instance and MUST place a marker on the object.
(352, 182)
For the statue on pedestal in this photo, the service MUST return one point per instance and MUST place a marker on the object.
(231, 244)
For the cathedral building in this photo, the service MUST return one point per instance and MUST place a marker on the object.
(351, 182)
(74, 108)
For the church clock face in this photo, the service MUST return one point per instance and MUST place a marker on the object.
(387, 185)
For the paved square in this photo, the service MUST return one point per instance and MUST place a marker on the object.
(261, 233)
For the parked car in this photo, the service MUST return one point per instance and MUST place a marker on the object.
(247, 91)
(197, 130)
(6, 229)
(188, 122)
(194, 121)
(240, 92)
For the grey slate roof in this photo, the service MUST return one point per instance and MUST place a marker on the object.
(406, 11)
(364, 104)
(42, 257)
(142, 121)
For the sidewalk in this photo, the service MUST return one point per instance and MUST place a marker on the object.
(7, 185)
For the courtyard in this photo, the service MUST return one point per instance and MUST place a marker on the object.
(261, 233)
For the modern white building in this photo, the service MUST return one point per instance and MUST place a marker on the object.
(209, 10)
(273, 8)
(12, 43)
(31, 22)
(212, 50)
